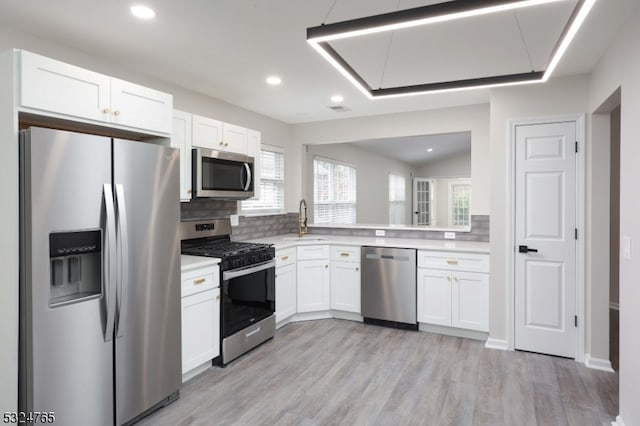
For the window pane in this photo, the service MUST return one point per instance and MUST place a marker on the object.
(334, 192)
(460, 194)
(271, 185)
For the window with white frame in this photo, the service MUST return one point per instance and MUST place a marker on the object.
(459, 196)
(396, 199)
(271, 189)
(334, 192)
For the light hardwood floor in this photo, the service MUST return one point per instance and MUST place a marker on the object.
(346, 373)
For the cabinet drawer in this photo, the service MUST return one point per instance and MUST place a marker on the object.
(285, 257)
(312, 252)
(345, 253)
(199, 280)
(453, 261)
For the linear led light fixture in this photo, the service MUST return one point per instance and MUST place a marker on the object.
(320, 36)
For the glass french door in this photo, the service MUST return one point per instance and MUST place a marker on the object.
(423, 196)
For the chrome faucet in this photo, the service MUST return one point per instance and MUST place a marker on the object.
(302, 223)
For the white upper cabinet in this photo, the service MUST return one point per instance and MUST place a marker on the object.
(234, 138)
(55, 88)
(207, 132)
(133, 105)
(214, 134)
(181, 139)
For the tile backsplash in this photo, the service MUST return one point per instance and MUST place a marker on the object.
(252, 227)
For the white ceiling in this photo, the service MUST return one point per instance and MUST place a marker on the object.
(225, 49)
(414, 149)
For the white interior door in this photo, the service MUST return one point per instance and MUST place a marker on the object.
(422, 201)
(545, 238)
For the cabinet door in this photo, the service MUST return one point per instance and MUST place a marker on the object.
(285, 291)
(313, 285)
(253, 150)
(470, 301)
(234, 138)
(181, 139)
(207, 133)
(434, 296)
(200, 328)
(137, 106)
(345, 286)
(50, 85)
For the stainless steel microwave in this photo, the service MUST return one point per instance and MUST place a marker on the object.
(224, 175)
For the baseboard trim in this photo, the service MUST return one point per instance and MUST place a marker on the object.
(618, 422)
(497, 344)
(615, 306)
(598, 364)
(453, 331)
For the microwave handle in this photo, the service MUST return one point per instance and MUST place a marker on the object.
(248, 169)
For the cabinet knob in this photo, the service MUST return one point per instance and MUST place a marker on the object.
(105, 110)
(221, 143)
(449, 279)
(218, 297)
(326, 266)
(199, 281)
(226, 144)
(357, 269)
(189, 191)
(116, 113)
(455, 279)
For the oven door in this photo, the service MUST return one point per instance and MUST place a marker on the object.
(248, 296)
(222, 174)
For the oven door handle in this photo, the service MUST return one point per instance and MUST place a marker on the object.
(228, 275)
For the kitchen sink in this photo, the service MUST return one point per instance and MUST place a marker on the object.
(304, 239)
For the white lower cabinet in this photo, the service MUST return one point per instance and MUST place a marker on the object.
(313, 277)
(200, 328)
(200, 316)
(453, 297)
(285, 284)
(345, 278)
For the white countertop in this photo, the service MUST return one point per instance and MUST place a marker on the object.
(292, 240)
(192, 262)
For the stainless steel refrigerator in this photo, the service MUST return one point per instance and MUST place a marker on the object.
(100, 277)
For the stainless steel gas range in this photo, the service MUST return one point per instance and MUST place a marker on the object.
(247, 278)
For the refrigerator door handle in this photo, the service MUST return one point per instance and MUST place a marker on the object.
(109, 262)
(123, 253)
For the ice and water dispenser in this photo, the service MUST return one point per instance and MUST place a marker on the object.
(76, 266)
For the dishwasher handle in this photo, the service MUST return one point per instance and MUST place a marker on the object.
(386, 257)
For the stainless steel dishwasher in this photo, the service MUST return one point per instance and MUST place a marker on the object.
(388, 287)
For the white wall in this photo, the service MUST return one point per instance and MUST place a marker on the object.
(557, 97)
(614, 210)
(372, 180)
(457, 165)
(620, 67)
(474, 118)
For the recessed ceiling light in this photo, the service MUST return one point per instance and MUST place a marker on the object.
(337, 99)
(430, 150)
(274, 80)
(142, 12)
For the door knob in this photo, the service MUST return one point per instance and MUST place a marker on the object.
(526, 249)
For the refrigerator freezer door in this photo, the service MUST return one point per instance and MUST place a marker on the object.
(65, 364)
(148, 354)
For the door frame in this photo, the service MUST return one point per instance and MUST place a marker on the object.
(579, 119)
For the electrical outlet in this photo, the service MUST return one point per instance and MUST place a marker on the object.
(449, 235)
(626, 247)
(379, 232)
(234, 220)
